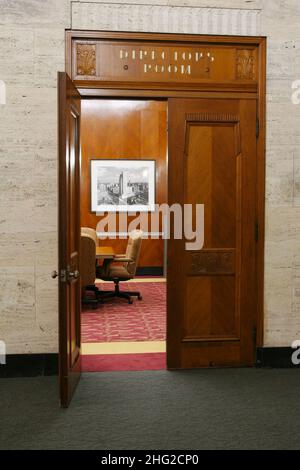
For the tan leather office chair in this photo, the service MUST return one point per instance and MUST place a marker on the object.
(88, 244)
(116, 272)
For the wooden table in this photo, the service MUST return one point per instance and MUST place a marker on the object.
(105, 252)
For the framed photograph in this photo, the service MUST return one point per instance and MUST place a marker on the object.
(122, 185)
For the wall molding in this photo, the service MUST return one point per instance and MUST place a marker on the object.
(165, 19)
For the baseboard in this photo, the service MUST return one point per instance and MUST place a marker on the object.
(150, 271)
(29, 365)
(275, 357)
(32, 365)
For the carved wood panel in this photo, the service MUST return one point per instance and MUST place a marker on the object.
(212, 117)
(212, 262)
(245, 63)
(86, 59)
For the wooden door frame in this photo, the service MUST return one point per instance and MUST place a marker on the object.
(94, 89)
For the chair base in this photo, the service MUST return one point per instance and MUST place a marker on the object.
(121, 294)
(93, 301)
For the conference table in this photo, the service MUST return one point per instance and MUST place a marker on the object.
(105, 252)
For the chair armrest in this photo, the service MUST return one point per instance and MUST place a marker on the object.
(121, 260)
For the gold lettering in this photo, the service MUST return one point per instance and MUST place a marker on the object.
(153, 55)
(123, 54)
(143, 54)
(186, 55)
(159, 68)
(172, 68)
(147, 68)
(185, 69)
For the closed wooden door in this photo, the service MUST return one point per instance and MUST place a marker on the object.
(212, 291)
(69, 237)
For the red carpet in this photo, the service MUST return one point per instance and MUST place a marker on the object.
(119, 362)
(116, 320)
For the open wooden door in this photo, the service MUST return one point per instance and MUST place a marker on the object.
(69, 237)
(212, 291)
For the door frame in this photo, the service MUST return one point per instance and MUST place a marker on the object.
(93, 89)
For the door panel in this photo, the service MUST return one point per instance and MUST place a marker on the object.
(211, 292)
(69, 237)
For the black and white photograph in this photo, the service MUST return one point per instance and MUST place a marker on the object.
(122, 185)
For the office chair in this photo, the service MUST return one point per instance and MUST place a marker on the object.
(88, 243)
(117, 273)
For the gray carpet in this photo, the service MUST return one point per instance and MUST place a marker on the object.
(204, 409)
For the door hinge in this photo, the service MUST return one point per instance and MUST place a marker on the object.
(256, 232)
(254, 335)
(257, 127)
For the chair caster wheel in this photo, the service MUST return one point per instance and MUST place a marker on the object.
(130, 301)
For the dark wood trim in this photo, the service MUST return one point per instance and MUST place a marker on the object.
(176, 89)
(159, 94)
(205, 90)
(167, 37)
(29, 365)
(261, 165)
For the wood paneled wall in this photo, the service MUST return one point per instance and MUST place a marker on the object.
(129, 129)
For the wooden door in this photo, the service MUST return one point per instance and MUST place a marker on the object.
(69, 237)
(211, 292)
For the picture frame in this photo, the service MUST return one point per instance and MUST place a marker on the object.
(123, 185)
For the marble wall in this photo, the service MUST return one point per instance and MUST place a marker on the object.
(32, 50)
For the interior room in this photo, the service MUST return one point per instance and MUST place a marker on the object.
(133, 346)
(119, 137)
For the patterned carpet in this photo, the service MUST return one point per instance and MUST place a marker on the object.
(116, 320)
(118, 362)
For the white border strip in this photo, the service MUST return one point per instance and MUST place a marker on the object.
(165, 19)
